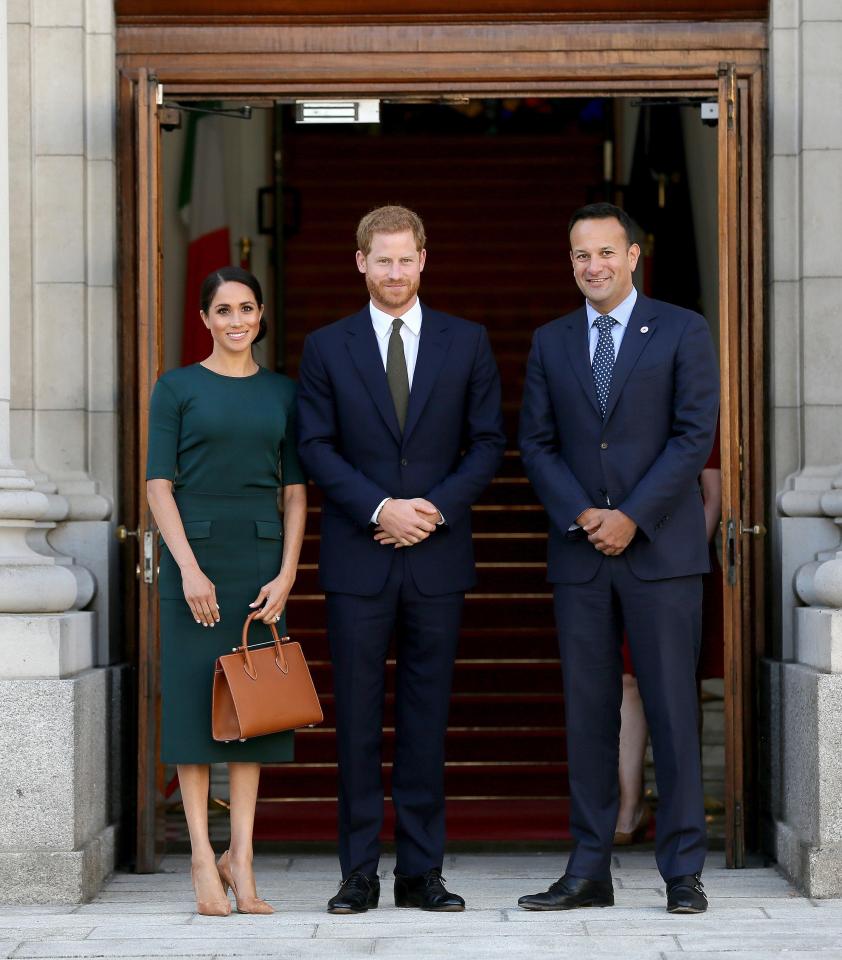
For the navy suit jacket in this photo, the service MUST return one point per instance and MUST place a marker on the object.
(644, 458)
(352, 447)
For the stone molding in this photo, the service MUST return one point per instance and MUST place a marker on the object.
(29, 581)
(816, 492)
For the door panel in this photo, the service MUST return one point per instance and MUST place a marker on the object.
(150, 834)
(733, 361)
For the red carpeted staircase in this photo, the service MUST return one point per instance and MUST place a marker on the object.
(495, 210)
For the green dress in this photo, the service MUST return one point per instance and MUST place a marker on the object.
(227, 443)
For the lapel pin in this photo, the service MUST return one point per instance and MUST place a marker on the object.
(644, 329)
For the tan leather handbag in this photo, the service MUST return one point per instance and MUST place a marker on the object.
(262, 690)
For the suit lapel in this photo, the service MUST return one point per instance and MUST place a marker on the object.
(576, 343)
(362, 345)
(634, 341)
(432, 350)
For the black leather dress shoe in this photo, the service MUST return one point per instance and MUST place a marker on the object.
(427, 892)
(568, 893)
(686, 894)
(356, 894)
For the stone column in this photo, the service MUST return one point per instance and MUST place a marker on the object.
(56, 702)
(28, 581)
(808, 690)
(802, 690)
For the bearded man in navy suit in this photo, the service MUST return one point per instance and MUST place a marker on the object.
(618, 419)
(400, 425)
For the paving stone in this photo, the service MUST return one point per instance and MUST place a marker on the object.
(754, 914)
(580, 948)
(272, 947)
(173, 909)
(764, 954)
(448, 927)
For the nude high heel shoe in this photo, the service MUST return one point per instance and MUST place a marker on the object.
(638, 835)
(216, 906)
(244, 904)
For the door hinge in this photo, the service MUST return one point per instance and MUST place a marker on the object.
(729, 71)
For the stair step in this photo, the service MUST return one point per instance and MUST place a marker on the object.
(520, 577)
(482, 709)
(318, 744)
(490, 642)
(490, 818)
(485, 518)
(473, 676)
(489, 548)
(461, 778)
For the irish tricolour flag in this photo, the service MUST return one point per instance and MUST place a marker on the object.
(201, 201)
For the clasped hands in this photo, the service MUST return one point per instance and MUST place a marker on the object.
(403, 523)
(610, 531)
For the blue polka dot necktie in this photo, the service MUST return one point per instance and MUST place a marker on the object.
(603, 360)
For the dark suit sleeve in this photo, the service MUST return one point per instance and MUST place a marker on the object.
(695, 408)
(557, 488)
(317, 434)
(485, 440)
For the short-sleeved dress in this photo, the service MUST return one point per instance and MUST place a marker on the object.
(228, 444)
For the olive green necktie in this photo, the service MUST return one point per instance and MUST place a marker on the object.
(396, 374)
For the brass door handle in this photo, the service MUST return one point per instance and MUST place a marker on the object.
(122, 533)
(757, 530)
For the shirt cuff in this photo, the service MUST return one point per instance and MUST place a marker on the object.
(376, 515)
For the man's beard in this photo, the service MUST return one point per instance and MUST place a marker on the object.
(392, 296)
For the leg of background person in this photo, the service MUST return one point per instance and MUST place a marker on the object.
(359, 630)
(428, 634)
(194, 781)
(662, 620)
(633, 736)
(590, 635)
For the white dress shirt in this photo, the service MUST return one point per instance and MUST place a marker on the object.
(621, 313)
(410, 333)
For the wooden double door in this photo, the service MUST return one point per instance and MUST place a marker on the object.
(430, 61)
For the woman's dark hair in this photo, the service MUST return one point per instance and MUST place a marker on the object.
(213, 281)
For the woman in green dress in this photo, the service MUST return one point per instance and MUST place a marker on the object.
(221, 443)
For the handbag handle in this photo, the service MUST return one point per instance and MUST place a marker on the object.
(280, 656)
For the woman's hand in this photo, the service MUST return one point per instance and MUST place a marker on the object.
(275, 593)
(200, 595)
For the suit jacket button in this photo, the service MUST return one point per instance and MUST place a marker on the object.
(603, 445)
(404, 462)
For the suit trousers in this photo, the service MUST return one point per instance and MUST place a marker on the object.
(663, 621)
(426, 631)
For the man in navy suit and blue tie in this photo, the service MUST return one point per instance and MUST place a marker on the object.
(619, 416)
(400, 425)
